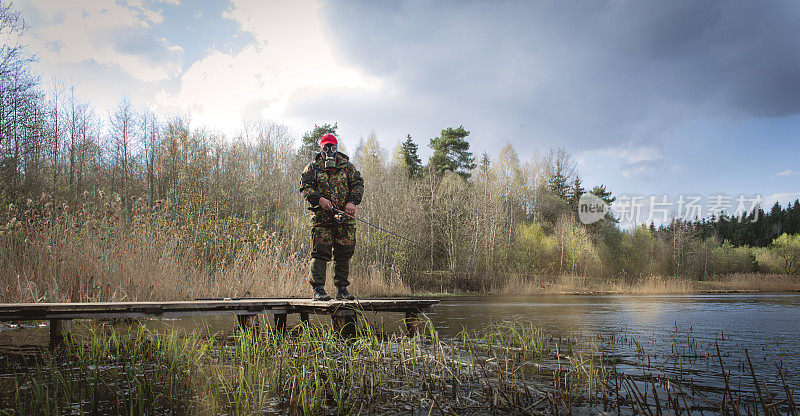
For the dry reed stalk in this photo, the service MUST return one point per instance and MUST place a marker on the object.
(75, 264)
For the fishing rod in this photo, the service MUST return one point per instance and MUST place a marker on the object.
(339, 216)
(240, 298)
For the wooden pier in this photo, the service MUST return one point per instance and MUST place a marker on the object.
(343, 313)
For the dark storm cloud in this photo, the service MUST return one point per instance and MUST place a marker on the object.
(580, 73)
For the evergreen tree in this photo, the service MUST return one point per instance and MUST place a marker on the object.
(411, 161)
(604, 194)
(792, 225)
(310, 145)
(558, 185)
(451, 152)
(560, 173)
(486, 162)
(575, 193)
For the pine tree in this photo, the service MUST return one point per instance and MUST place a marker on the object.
(605, 195)
(575, 193)
(486, 162)
(558, 186)
(411, 161)
(560, 173)
(310, 145)
(793, 218)
(451, 152)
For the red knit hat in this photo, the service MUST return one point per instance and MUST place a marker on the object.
(328, 139)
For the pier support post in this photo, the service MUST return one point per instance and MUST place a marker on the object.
(280, 323)
(412, 322)
(59, 332)
(344, 322)
(248, 321)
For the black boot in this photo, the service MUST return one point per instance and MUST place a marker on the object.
(319, 293)
(343, 294)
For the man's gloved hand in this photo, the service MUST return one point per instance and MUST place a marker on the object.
(325, 204)
(350, 209)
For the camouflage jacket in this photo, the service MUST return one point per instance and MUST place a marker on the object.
(340, 185)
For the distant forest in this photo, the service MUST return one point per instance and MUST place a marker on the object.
(91, 202)
(755, 229)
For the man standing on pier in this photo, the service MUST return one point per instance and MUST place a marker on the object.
(331, 184)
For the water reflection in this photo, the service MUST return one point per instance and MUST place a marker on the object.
(767, 325)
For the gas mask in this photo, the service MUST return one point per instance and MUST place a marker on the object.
(329, 153)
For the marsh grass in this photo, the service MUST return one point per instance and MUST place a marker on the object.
(315, 371)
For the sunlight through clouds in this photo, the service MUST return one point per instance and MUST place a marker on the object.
(290, 56)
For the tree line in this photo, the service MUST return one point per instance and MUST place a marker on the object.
(478, 218)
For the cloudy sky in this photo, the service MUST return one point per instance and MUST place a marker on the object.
(651, 97)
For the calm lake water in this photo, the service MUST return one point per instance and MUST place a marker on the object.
(767, 325)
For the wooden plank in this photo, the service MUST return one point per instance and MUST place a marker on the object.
(126, 314)
(151, 303)
(41, 311)
(377, 305)
(222, 305)
(211, 303)
(91, 310)
(8, 307)
(365, 303)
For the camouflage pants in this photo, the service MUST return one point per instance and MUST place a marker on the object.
(338, 240)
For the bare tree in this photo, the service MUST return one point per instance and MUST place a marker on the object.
(150, 142)
(122, 135)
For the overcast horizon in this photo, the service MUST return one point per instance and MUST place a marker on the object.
(650, 97)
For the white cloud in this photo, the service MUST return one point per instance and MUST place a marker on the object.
(787, 172)
(108, 33)
(631, 161)
(290, 58)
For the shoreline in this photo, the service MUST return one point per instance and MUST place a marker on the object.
(653, 285)
(448, 295)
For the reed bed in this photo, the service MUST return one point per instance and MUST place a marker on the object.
(55, 255)
(509, 368)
